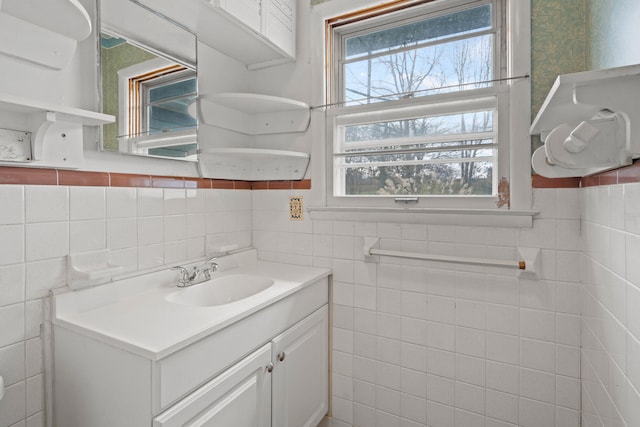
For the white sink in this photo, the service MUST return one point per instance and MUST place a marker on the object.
(219, 291)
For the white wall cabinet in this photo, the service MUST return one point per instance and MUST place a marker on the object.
(258, 33)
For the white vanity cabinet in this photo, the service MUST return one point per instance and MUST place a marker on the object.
(134, 359)
(284, 384)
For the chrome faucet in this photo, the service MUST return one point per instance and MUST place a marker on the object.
(198, 274)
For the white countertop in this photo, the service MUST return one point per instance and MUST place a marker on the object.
(133, 313)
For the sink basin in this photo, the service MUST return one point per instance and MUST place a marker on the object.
(219, 291)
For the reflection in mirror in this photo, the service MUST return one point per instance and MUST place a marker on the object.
(148, 84)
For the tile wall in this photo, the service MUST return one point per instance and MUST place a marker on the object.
(611, 305)
(428, 344)
(41, 224)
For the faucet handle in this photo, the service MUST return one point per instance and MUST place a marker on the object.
(184, 275)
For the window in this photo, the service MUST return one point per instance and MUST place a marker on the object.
(419, 104)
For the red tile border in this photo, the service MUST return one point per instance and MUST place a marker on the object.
(590, 181)
(538, 181)
(305, 184)
(167, 182)
(629, 174)
(28, 176)
(77, 178)
(197, 182)
(129, 180)
(37, 176)
(241, 185)
(222, 184)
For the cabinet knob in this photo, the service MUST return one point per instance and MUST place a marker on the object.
(270, 367)
(281, 356)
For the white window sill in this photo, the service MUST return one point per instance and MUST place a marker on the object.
(440, 216)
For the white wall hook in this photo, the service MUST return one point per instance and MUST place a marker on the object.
(532, 261)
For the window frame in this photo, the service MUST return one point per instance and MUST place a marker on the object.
(508, 16)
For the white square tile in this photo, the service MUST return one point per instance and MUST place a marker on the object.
(127, 258)
(503, 377)
(568, 329)
(568, 392)
(34, 357)
(36, 420)
(389, 301)
(414, 331)
(87, 236)
(342, 386)
(632, 207)
(569, 418)
(47, 240)
(13, 241)
(568, 361)
(471, 314)
(535, 414)
(35, 394)
(12, 284)
(568, 206)
(538, 385)
(175, 228)
(343, 247)
(441, 336)
(343, 340)
(12, 206)
(322, 245)
(414, 408)
(441, 390)
(503, 318)
(150, 201)
(471, 342)
(175, 251)
(342, 363)
(150, 230)
(150, 256)
(470, 370)
(502, 406)
(175, 201)
(388, 325)
(441, 309)
(12, 363)
(122, 202)
(122, 233)
(414, 383)
(14, 316)
(343, 293)
(414, 305)
(537, 354)
(538, 324)
(388, 375)
(388, 350)
(502, 348)
(195, 200)
(439, 415)
(363, 368)
(441, 363)
(34, 316)
(413, 356)
(390, 276)
(12, 406)
(568, 235)
(87, 203)
(42, 276)
(46, 203)
(195, 248)
(616, 206)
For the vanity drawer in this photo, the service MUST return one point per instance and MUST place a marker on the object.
(182, 372)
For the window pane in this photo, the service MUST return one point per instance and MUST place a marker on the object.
(172, 90)
(439, 179)
(452, 124)
(447, 67)
(171, 115)
(427, 30)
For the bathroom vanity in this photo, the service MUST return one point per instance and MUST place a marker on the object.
(247, 348)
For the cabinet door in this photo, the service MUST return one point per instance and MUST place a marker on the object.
(239, 397)
(301, 373)
(280, 24)
(248, 12)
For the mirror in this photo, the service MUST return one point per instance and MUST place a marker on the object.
(149, 82)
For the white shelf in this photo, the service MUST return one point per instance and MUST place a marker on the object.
(18, 104)
(53, 133)
(253, 164)
(255, 114)
(43, 32)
